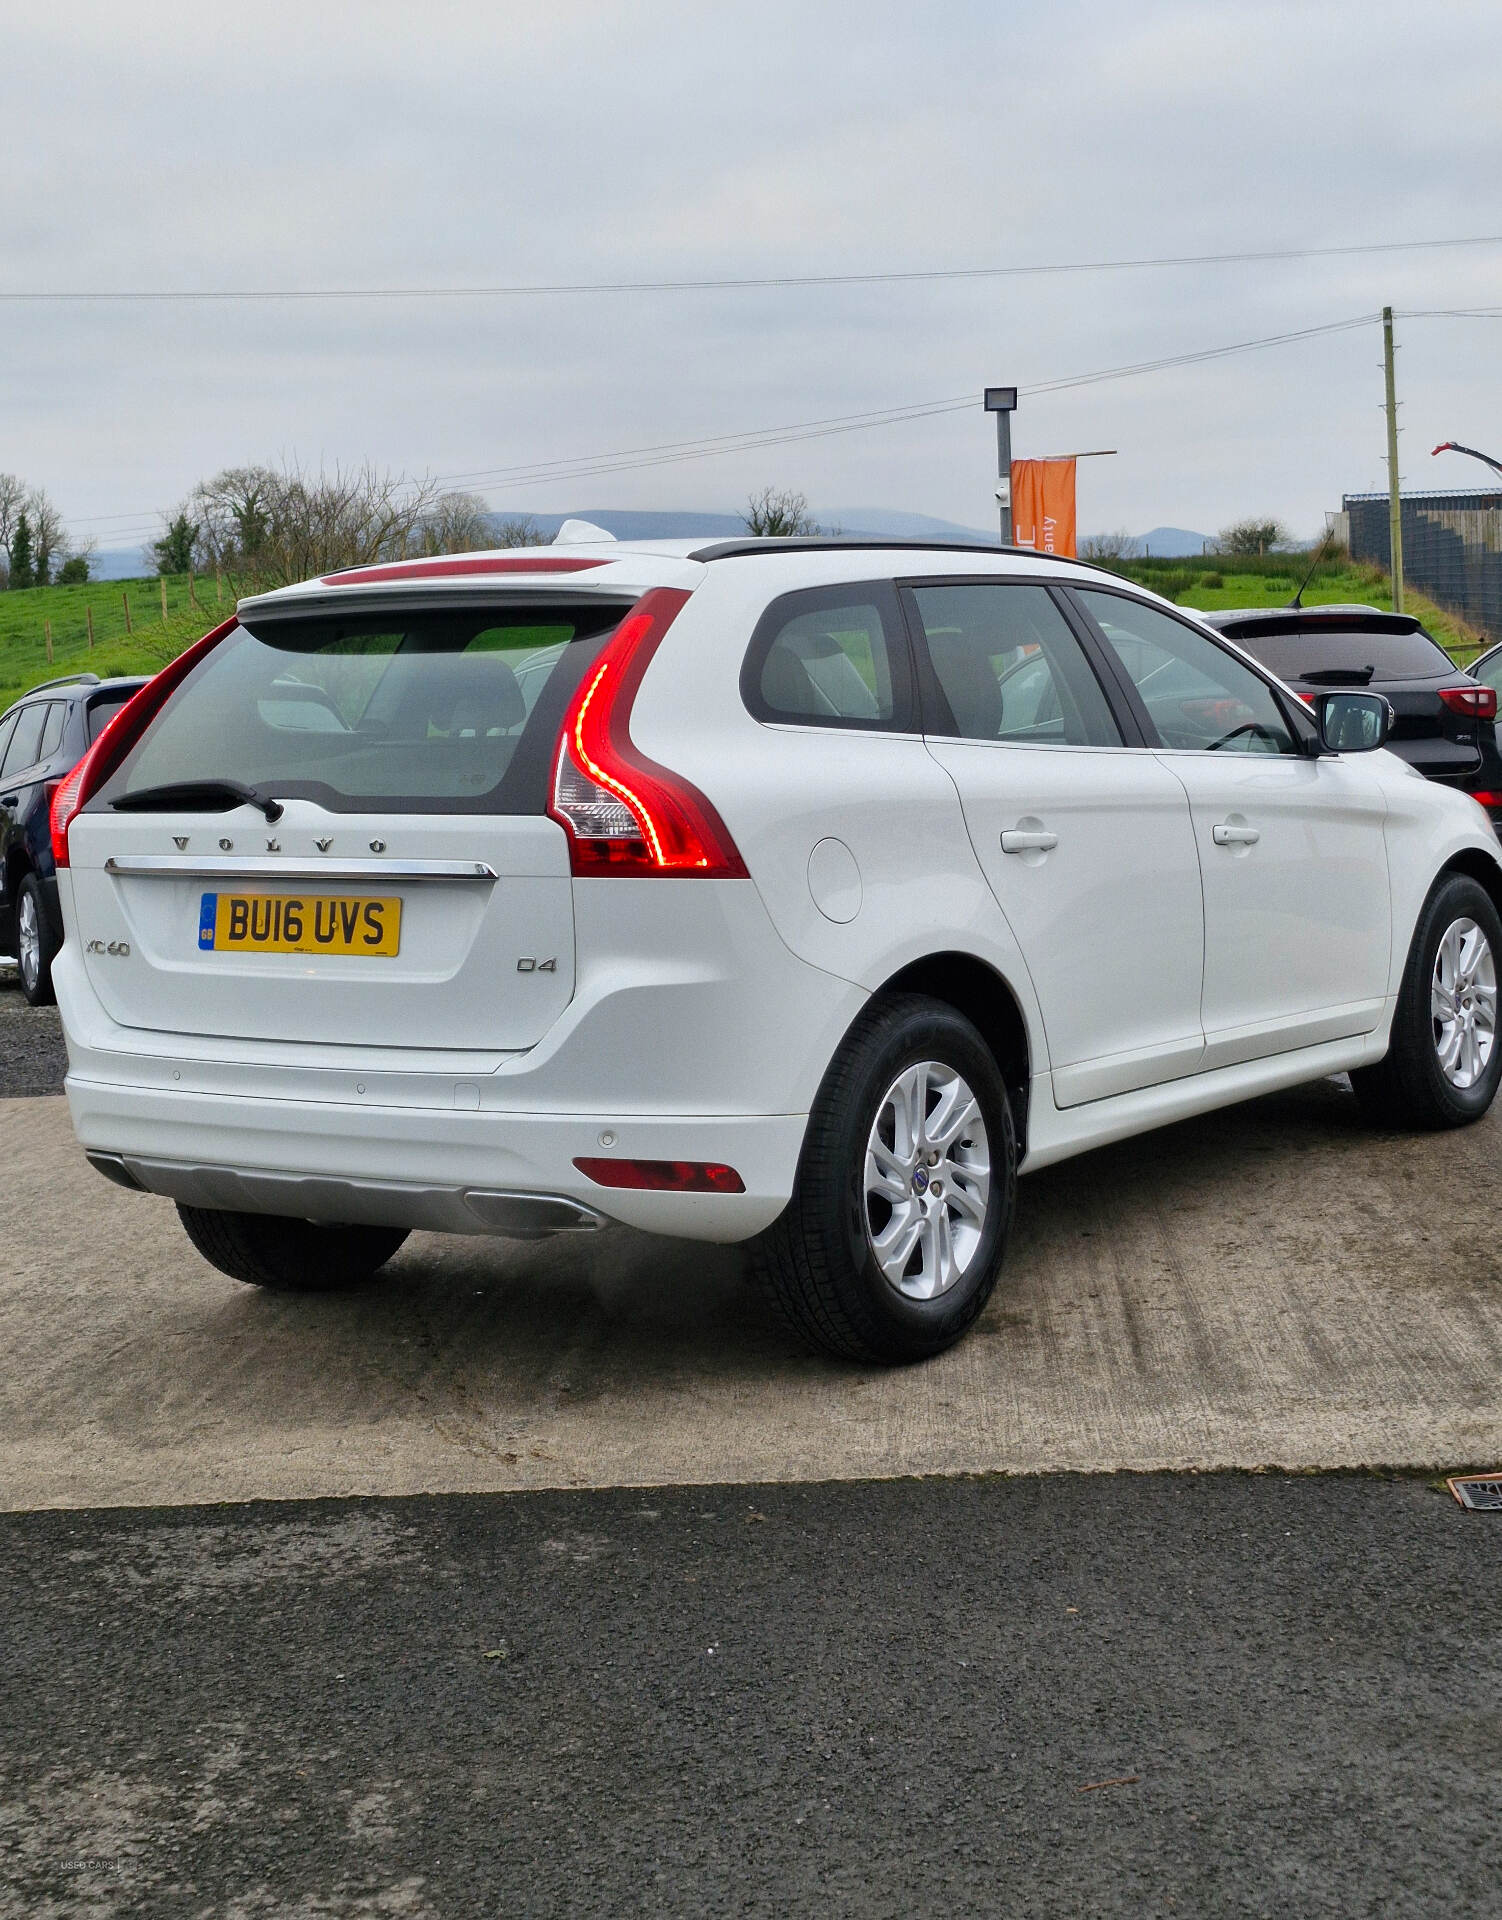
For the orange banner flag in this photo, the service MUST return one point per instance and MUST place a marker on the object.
(1043, 506)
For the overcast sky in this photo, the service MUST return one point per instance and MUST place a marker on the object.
(205, 146)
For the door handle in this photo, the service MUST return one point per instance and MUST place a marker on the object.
(1235, 836)
(1019, 840)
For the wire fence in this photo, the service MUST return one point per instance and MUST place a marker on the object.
(1452, 548)
(104, 625)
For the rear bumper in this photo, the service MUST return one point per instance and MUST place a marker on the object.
(454, 1172)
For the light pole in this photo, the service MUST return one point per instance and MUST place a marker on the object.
(1002, 401)
(1454, 446)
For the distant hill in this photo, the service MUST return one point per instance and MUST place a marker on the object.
(1169, 543)
(879, 522)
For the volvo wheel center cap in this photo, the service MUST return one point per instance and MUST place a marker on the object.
(920, 1179)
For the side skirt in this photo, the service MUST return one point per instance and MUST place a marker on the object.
(1056, 1134)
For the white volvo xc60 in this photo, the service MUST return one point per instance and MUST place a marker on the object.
(790, 892)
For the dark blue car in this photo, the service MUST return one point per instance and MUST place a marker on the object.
(42, 738)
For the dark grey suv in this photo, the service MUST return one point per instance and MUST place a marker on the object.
(42, 738)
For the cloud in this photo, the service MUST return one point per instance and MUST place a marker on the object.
(170, 145)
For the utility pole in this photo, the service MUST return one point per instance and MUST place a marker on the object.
(1394, 497)
(1002, 401)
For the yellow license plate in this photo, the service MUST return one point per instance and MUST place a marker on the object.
(298, 923)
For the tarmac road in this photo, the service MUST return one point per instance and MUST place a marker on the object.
(1208, 1694)
(894, 1699)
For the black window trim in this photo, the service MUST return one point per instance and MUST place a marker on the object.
(1298, 720)
(881, 593)
(934, 710)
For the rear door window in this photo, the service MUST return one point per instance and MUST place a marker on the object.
(438, 709)
(831, 657)
(1009, 668)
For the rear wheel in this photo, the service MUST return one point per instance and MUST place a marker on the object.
(1444, 1061)
(894, 1236)
(35, 947)
(288, 1256)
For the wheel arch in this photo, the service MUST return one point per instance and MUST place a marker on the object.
(18, 864)
(975, 988)
(1477, 866)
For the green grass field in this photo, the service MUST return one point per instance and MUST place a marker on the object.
(1214, 585)
(151, 643)
(193, 606)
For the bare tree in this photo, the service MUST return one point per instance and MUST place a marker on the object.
(49, 536)
(1119, 545)
(519, 531)
(456, 523)
(774, 513)
(13, 491)
(277, 525)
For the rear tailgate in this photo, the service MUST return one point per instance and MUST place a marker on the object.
(402, 751)
(479, 914)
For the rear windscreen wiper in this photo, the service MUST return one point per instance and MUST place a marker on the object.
(1337, 676)
(193, 794)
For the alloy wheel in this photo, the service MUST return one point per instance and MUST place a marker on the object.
(927, 1180)
(1463, 1003)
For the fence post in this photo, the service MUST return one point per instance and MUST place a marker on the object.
(89, 614)
(191, 594)
(125, 602)
(163, 579)
(49, 642)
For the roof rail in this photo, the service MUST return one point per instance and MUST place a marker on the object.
(854, 543)
(64, 680)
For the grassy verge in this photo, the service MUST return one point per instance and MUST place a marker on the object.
(150, 641)
(195, 605)
(1213, 585)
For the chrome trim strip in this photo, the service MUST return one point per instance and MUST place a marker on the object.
(183, 866)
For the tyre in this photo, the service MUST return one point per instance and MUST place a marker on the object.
(1444, 1062)
(288, 1256)
(36, 949)
(894, 1236)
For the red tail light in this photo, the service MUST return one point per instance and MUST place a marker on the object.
(661, 1176)
(622, 812)
(1485, 799)
(1477, 703)
(120, 736)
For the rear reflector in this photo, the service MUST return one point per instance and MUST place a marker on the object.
(663, 1176)
(1488, 799)
(120, 736)
(448, 569)
(623, 813)
(1480, 703)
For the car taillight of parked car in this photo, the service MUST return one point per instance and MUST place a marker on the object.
(623, 813)
(119, 737)
(1477, 703)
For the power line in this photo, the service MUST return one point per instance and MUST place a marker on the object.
(672, 452)
(735, 284)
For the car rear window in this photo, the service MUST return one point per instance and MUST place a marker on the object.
(102, 711)
(1391, 656)
(438, 709)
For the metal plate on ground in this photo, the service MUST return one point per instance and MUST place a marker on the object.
(1480, 1491)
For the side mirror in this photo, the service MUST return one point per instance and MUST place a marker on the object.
(1353, 722)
